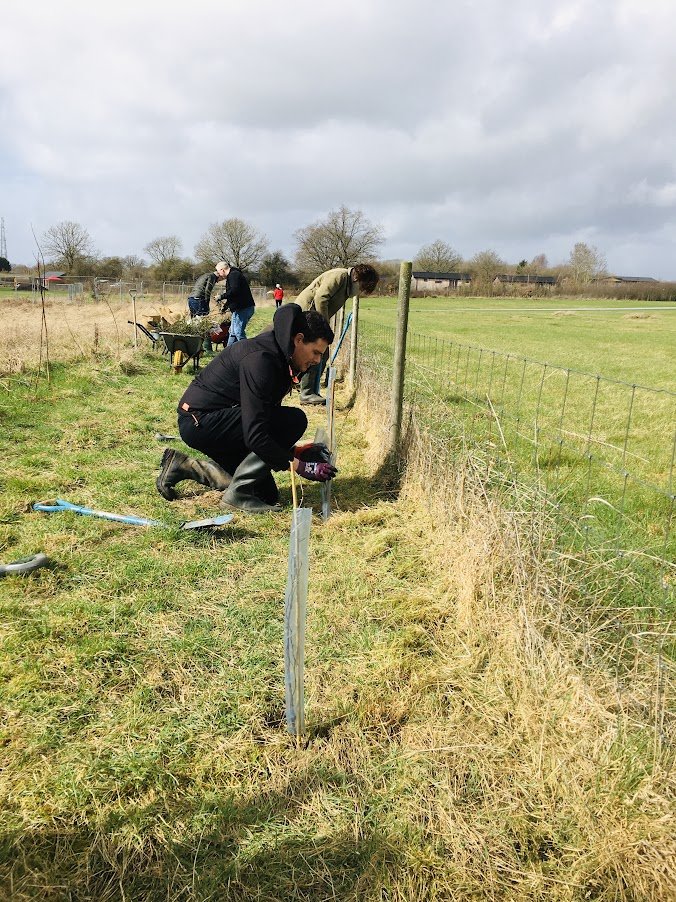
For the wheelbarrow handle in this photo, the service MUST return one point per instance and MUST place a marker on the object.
(348, 322)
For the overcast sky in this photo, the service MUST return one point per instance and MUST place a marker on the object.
(522, 127)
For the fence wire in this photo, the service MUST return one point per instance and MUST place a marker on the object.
(598, 454)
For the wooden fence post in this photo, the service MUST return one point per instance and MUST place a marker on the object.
(132, 295)
(400, 355)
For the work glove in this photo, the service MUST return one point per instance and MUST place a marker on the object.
(312, 452)
(317, 471)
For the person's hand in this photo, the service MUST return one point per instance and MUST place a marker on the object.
(313, 452)
(317, 471)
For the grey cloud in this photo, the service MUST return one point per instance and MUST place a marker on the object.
(506, 125)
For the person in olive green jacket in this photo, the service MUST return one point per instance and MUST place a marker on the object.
(327, 294)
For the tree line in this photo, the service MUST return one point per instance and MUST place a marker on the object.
(343, 238)
(585, 264)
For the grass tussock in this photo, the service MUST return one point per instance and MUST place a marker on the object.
(133, 364)
(463, 741)
(530, 748)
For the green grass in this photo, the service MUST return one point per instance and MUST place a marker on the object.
(602, 450)
(143, 754)
(627, 340)
(142, 684)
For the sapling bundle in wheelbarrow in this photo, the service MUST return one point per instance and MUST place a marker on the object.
(186, 339)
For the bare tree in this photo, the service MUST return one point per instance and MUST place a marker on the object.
(344, 238)
(586, 263)
(437, 257)
(168, 247)
(485, 266)
(134, 267)
(235, 242)
(539, 263)
(68, 242)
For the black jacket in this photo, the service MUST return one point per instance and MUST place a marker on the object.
(254, 374)
(237, 294)
(203, 287)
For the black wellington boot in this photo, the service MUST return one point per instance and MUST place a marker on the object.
(308, 388)
(251, 489)
(177, 466)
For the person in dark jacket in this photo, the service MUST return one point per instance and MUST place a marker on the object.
(232, 412)
(239, 301)
(200, 296)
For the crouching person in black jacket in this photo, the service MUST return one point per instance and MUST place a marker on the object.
(232, 411)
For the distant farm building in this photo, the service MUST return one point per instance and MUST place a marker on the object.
(50, 278)
(624, 280)
(512, 279)
(524, 284)
(438, 282)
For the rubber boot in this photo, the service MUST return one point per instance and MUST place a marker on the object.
(308, 388)
(251, 489)
(177, 466)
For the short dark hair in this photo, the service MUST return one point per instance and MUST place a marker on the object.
(315, 327)
(367, 276)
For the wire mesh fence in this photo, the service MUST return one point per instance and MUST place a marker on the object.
(596, 454)
(93, 289)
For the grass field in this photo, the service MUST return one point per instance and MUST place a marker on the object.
(626, 340)
(457, 749)
(519, 382)
(143, 754)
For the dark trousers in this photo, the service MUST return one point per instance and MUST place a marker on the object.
(219, 434)
(310, 381)
(198, 306)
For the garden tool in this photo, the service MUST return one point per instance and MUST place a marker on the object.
(61, 505)
(25, 564)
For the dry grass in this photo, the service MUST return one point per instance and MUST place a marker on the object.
(74, 329)
(544, 780)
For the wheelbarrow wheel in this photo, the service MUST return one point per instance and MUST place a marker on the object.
(178, 360)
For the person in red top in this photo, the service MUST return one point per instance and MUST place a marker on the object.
(278, 295)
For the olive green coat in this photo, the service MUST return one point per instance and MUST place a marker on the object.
(328, 292)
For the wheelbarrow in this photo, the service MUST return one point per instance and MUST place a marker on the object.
(182, 348)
